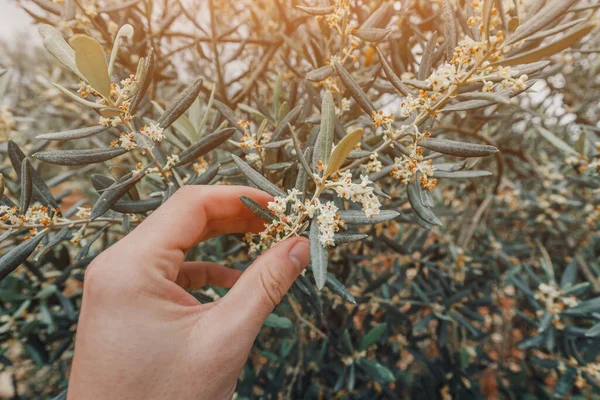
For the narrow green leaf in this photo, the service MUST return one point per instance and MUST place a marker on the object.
(137, 206)
(179, 105)
(555, 140)
(275, 321)
(58, 47)
(372, 336)
(257, 209)
(550, 12)
(40, 189)
(338, 288)
(349, 237)
(79, 157)
(73, 134)
(416, 203)
(391, 75)
(355, 90)
(15, 256)
(26, 185)
(125, 31)
(372, 34)
(256, 178)
(427, 59)
(114, 193)
(458, 149)
(327, 127)
(320, 74)
(204, 145)
(450, 29)
(358, 217)
(318, 255)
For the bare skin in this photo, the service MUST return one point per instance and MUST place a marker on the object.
(141, 335)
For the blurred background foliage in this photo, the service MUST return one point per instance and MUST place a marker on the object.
(499, 303)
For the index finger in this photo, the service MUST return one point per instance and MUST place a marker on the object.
(193, 214)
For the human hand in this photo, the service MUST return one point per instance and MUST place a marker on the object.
(141, 335)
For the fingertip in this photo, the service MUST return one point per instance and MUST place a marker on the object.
(299, 254)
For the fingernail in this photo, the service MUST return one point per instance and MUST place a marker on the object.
(300, 255)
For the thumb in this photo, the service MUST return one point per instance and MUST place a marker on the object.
(262, 286)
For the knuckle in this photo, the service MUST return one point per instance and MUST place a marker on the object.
(272, 284)
(186, 192)
(97, 277)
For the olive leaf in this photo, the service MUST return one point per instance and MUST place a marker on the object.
(557, 29)
(200, 127)
(56, 239)
(256, 178)
(89, 57)
(316, 10)
(15, 256)
(355, 90)
(228, 114)
(179, 105)
(550, 49)
(40, 189)
(358, 217)
(552, 10)
(125, 31)
(339, 238)
(423, 212)
(461, 174)
(79, 157)
(137, 206)
(372, 34)
(78, 99)
(555, 140)
(73, 134)
(144, 81)
(341, 151)
(319, 256)
(26, 185)
(257, 209)
(338, 288)
(320, 74)
(380, 17)
(391, 75)
(58, 47)
(204, 145)
(458, 149)
(427, 59)
(115, 192)
(486, 14)
(327, 127)
(450, 29)
(283, 125)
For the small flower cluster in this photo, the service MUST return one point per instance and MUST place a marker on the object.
(380, 118)
(86, 90)
(285, 224)
(329, 223)
(249, 141)
(407, 168)
(373, 165)
(200, 166)
(509, 81)
(154, 132)
(33, 216)
(554, 301)
(357, 192)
